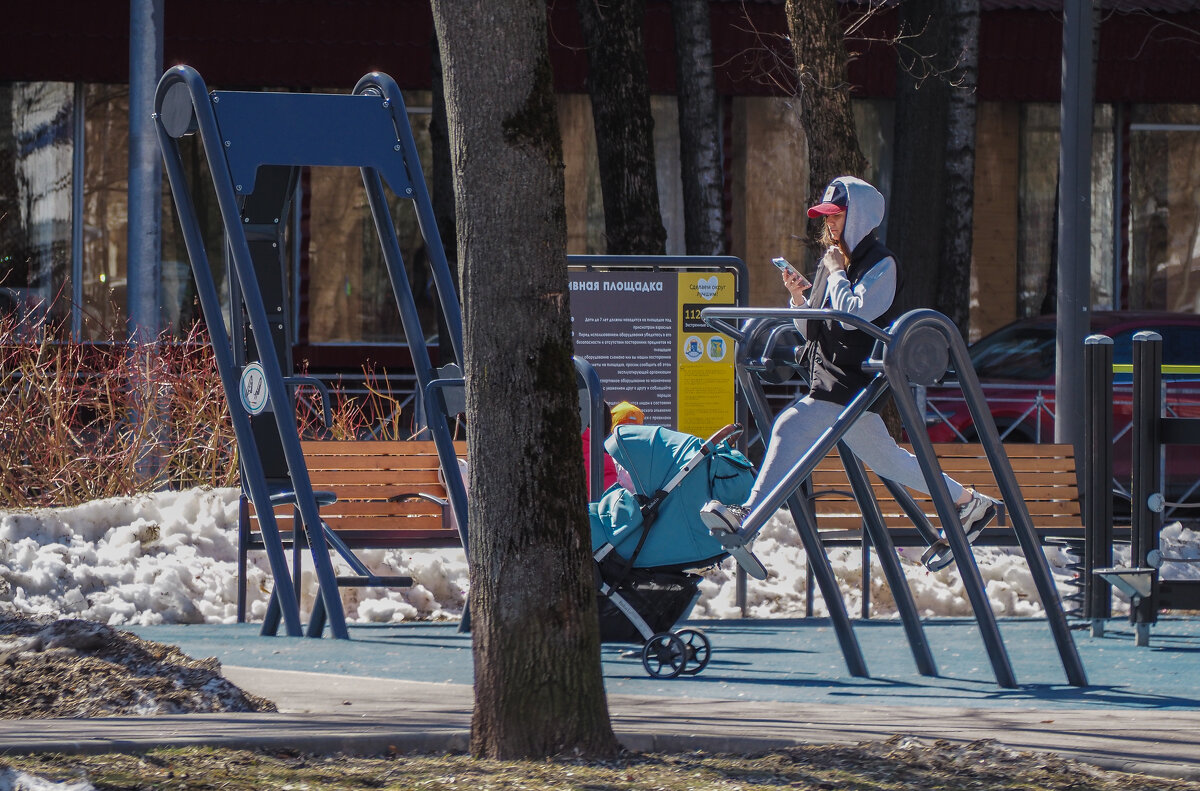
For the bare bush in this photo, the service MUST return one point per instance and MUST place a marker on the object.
(76, 424)
(81, 421)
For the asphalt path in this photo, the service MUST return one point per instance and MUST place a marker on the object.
(770, 683)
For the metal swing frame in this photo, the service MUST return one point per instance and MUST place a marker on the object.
(255, 144)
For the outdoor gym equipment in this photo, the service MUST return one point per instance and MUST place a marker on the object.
(255, 144)
(916, 349)
(1151, 431)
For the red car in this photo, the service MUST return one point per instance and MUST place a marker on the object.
(1015, 365)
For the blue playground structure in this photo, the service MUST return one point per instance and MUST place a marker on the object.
(255, 144)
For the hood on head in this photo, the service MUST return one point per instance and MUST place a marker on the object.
(864, 209)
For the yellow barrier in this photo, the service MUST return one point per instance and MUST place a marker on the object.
(1127, 368)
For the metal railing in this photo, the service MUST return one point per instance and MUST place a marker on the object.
(1035, 422)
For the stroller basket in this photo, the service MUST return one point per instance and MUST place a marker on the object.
(660, 597)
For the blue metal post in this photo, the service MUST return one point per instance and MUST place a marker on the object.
(947, 513)
(818, 564)
(144, 270)
(877, 531)
(906, 329)
(144, 263)
(1074, 221)
(251, 466)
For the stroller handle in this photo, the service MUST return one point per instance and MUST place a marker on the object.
(726, 434)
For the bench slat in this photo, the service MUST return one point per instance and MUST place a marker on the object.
(363, 475)
(343, 508)
(1045, 474)
(343, 448)
(1027, 478)
(379, 463)
(1036, 509)
(1014, 450)
(396, 479)
(397, 524)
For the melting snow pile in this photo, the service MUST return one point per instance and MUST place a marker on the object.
(172, 558)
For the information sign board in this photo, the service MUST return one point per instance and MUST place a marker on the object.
(642, 332)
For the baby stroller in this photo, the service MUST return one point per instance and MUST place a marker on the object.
(646, 542)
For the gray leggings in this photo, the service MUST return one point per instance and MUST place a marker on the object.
(799, 426)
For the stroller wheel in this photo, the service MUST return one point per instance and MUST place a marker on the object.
(698, 648)
(664, 655)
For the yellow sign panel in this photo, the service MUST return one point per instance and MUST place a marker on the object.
(705, 395)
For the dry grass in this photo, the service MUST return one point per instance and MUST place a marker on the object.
(84, 421)
(81, 421)
(883, 766)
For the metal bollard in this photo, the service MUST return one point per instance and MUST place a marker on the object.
(1146, 508)
(1097, 479)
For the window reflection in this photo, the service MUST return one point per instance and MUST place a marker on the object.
(350, 297)
(105, 210)
(343, 288)
(1164, 211)
(35, 198)
(1024, 353)
(1037, 254)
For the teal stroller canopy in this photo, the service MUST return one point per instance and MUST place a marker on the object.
(676, 538)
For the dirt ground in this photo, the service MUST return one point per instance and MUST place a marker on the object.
(73, 668)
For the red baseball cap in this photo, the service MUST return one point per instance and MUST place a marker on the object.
(833, 201)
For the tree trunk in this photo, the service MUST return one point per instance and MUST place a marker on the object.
(618, 84)
(817, 46)
(699, 129)
(538, 683)
(933, 189)
(819, 49)
(954, 283)
(917, 206)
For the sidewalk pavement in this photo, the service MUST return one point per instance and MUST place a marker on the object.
(1108, 725)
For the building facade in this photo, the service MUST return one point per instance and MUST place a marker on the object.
(64, 142)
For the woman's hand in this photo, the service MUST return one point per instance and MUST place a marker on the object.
(834, 261)
(796, 286)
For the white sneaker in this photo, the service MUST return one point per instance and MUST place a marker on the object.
(976, 514)
(723, 518)
(938, 556)
(723, 523)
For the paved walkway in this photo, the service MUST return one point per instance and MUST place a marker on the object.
(770, 684)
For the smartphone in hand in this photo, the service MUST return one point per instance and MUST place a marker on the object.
(785, 266)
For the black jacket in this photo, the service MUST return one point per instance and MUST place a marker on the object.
(837, 353)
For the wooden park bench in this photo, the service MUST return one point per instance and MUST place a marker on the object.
(389, 496)
(1045, 473)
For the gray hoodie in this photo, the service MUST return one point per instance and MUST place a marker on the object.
(865, 289)
(871, 296)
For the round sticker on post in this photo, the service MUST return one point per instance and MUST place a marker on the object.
(253, 389)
